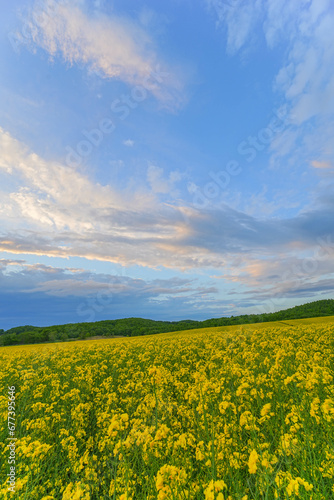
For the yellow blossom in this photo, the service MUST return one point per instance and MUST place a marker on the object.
(252, 461)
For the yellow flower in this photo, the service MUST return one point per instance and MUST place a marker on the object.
(266, 409)
(293, 486)
(247, 420)
(223, 406)
(159, 483)
(253, 458)
(328, 409)
(169, 479)
(213, 488)
(162, 432)
(77, 491)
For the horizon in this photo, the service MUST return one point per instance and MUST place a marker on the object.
(171, 160)
(150, 319)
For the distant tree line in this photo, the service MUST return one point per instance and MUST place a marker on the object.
(130, 327)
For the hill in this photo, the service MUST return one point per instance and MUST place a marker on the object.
(131, 327)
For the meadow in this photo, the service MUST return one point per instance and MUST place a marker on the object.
(237, 413)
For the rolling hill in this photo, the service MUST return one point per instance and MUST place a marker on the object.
(131, 327)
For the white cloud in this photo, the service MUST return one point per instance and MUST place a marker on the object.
(238, 18)
(159, 183)
(57, 211)
(129, 143)
(111, 46)
(304, 33)
(306, 28)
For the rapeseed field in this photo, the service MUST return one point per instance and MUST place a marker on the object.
(237, 413)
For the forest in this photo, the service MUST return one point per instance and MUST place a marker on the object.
(131, 327)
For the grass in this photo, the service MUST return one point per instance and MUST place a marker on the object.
(220, 413)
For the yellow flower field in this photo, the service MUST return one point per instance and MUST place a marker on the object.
(242, 413)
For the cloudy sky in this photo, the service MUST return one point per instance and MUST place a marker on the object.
(167, 160)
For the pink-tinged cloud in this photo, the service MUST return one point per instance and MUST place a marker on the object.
(112, 47)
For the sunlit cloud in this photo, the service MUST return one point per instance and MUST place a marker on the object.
(321, 164)
(112, 47)
(98, 222)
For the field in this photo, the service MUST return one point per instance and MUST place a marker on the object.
(238, 413)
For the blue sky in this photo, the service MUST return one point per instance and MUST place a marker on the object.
(165, 160)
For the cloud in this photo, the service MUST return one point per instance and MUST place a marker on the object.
(138, 226)
(129, 143)
(94, 221)
(238, 18)
(321, 164)
(41, 214)
(306, 76)
(50, 295)
(113, 47)
(43, 295)
(71, 282)
(159, 184)
(303, 31)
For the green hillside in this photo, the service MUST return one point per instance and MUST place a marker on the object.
(131, 327)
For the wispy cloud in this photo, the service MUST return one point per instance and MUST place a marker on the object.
(92, 220)
(305, 80)
(112, 46)
(306, 76)
(321, 164)
(160, 183)
(238, 18)
(137, 226)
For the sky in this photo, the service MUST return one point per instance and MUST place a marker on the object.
(165, 160)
